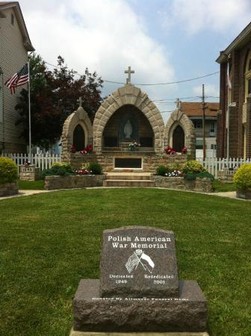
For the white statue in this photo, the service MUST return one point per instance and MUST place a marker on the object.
(128, 129)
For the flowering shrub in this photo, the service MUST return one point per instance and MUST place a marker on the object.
(170, 151)
(172, 170)
(174, 173)
(88, 149)
(242, 177)
(133, 145)
(82, 171)
(190, 170)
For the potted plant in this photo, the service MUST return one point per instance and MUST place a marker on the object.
(242, 180)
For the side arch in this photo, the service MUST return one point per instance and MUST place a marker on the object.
(180, 119)
(77, 118)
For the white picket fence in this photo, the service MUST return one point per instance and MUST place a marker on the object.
(215, 165)
(41, 161)
(212, 165)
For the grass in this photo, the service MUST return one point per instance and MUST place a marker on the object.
(223, 186)
(31, 185)
(50, 241)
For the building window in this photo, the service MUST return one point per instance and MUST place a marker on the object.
(212, 128)
(197, 123)
(199, 144)
(248, 76)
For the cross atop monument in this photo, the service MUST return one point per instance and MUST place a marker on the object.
(178, 104)
(129, 72)
(80, 101)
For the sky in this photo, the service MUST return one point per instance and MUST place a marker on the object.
(169, 44)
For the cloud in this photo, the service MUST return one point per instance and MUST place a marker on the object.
(104, 35)
(218, 16)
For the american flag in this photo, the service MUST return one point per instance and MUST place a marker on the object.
(18, 79)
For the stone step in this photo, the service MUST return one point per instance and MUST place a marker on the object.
(128, 176)
(129, 183)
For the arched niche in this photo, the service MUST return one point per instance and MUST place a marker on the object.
(77, 125)
(79, 138)
(128, 124)
(126, 97)
(178, 139)
(179, 125)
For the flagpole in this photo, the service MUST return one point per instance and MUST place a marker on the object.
(29, 103)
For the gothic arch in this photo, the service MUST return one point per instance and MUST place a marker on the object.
(76, 119)
(128, 95)
(178, 118)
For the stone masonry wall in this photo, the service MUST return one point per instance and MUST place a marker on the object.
(200, 184)
(8, 189)
(73, 181)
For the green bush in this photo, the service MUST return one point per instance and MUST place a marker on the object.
(193, 169)
(162, 170)
(192, 166)
(205, 174)
(242, 177)
(58, 168)
(95, 168)
(174, 166)
(8, 170)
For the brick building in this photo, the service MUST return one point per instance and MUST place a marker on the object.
(234, 117)
(208, 134)
(14, 47)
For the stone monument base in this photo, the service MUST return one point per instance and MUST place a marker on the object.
(185, 314)
(83, 333)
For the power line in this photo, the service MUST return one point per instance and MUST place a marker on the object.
(149, 84)
(166, 83)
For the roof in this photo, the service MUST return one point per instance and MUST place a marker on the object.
(194, 109)
(5, 5)
(242, 39)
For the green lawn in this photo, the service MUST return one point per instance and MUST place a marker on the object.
(48, 242)
(32, 185)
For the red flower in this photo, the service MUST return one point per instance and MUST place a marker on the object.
(87, 149)
(184, 150)
(169, 150)
(73, 149)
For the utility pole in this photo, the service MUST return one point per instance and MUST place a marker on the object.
(203, 122)
(2, 108)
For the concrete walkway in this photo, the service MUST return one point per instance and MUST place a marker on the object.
(25, 193)
(228, 194)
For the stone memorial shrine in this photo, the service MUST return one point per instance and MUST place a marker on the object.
(128, 133)
(139, 291)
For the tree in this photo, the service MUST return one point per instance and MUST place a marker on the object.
(54, 96)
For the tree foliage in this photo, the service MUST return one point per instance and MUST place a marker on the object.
(54, 95)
